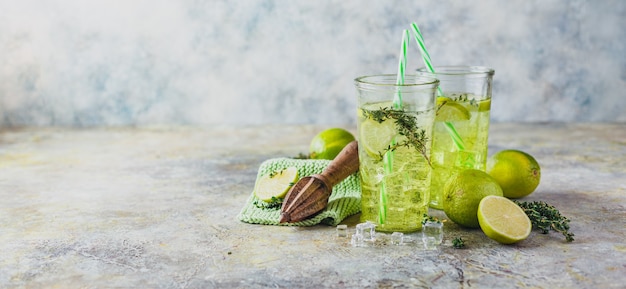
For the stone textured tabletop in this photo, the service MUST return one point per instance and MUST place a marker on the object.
(157, 207)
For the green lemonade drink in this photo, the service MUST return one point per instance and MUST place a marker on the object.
(446, 157)
(394, 150)
(463, 109)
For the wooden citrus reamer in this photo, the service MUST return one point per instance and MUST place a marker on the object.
(310, 194)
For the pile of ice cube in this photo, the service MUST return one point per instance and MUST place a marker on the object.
(365, 236)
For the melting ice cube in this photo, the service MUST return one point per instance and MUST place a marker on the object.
(432, 234)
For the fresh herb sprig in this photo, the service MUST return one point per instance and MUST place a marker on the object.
(275, 173)
(432, 219)
(463, 97)
(458, 243)
(406, 126)
(546, 217)
(275, 203)
(302, 156)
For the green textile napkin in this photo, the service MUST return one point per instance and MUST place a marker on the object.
(344, 201)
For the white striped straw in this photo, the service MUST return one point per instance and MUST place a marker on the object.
(425, 55)
(420, 43)
(456, 138)
(397, 104)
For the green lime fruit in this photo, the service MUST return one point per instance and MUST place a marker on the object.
(328, 143)
(451, 111)
(462, 194)
(517, 172)
(503, 220)
(276, 184)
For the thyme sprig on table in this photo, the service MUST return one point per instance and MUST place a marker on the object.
(546, 217)
(458, 243)
(406, 126)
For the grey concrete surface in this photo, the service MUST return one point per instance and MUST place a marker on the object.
(156, 207)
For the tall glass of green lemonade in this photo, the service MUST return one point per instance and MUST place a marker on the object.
(394, 124)
(463, 106)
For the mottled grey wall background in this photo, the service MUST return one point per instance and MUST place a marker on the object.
(85, 63)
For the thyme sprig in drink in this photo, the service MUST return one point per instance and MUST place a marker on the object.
(400, 136)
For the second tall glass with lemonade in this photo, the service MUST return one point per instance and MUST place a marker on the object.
(461, 127)
(394, 123)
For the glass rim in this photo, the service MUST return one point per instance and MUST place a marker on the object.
(427, 80)
(458, 70)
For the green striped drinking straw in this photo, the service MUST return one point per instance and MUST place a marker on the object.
(456, 138)
(397, 104)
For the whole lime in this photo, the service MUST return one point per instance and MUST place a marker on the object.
(462, 194)
(517, 172)
(328, 143)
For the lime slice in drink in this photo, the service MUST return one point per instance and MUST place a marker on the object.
(452, 111)
(376, 137)
(276, 184)
(441, 100)
(484, 105)
(502, 220)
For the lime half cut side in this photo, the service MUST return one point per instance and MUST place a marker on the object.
(502, 220)
(276, 184)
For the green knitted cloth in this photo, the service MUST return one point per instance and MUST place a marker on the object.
(344, 201)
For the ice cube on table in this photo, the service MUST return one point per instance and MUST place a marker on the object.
(342, 231)
(432, 234)
(367, 230)
(357, 240)
(397, 238)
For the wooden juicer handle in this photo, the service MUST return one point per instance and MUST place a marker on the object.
(310, 194)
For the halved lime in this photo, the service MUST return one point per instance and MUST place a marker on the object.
(502, 220)
(276, 184)
(452, 111)
(376, 137)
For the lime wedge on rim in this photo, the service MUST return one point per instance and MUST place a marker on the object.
(503, 220)
(276, 184)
